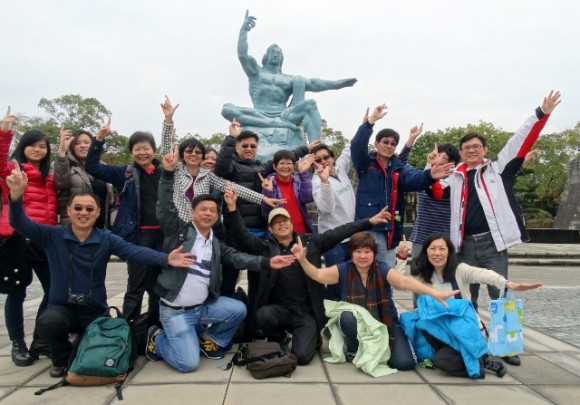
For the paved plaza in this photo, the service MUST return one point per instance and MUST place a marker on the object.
(550, 373)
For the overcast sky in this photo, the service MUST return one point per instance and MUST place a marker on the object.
(442, 62)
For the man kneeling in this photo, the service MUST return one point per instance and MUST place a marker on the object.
(190, 301)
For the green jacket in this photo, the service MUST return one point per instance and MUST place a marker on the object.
(178, 232)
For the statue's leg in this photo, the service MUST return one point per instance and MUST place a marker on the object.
(305, 112)
(249, 117)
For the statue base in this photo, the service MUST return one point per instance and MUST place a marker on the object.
(274, 139)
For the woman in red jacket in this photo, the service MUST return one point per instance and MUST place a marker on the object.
(40, 203)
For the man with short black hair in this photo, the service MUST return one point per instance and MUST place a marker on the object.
(191, 299)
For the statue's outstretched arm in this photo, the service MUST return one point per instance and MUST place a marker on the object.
(317, 85)
(249, 64)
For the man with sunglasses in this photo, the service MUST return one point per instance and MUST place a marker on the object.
(335, 200)
(383, 180)
(78, 254)
(237, 162)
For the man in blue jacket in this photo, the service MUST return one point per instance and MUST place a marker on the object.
(383, 180)
(78, 255)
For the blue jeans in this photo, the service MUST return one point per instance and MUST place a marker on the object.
(402, 354)
(336, 255)
(480, 251)
(388, 256)
(178, 344)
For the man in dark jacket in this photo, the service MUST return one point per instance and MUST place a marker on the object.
(191, 299)
(383, 180)
(78, 255)
(237, 162)
(288, 300)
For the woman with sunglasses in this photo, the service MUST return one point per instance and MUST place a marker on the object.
(32, 154)
(191, 178)
(71, 177)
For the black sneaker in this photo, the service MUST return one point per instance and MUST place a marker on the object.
(210, 349)
(150, 350)
(495, 365)
(512, 360)
(57, 372)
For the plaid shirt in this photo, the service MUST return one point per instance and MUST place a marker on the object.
(205, 180)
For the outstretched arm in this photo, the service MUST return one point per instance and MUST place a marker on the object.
(318, 85)
(399, 281)
(324, 275)
(249, 64)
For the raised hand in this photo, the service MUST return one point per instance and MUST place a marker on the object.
(323, 172)
(531, 155)
(249, 21)
(433, 156)
(366, 116)
(382, 217)
(266, 183)
(66, 138)
(235, 128)
(170, 160)
(551, 101)
(9, 120)
(230, 197)
(168, 110)
(404, 248)
(312, 145)
(281, 261)
(415, 131)
(298, 250)
(105, 130)
(305, 163)
(178, 259)
(16, 181)
(379, 112)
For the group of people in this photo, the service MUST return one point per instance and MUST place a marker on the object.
(186, 225)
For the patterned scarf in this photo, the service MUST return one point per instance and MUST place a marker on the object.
(374, 297)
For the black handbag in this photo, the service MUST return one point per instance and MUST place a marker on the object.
(15, 268)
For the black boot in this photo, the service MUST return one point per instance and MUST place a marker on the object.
(37, 348)
(20, 355)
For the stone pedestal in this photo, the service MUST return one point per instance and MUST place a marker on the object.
(568, 216)
(274, 139)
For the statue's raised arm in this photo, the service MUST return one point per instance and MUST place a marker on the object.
(249, 64)
(317, 85)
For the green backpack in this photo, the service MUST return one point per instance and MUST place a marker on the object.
(104, 355)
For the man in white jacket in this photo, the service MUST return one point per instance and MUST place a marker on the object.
(485, 217)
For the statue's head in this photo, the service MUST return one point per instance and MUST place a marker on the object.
(273, 56)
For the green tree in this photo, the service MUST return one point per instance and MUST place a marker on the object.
(75, 112)
(334, 139)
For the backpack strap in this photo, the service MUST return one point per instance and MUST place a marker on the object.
(455, 286)
(61, 383)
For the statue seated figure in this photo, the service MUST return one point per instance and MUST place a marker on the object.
(272, 118)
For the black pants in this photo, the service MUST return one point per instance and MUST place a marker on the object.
(402, 354)
(448, 359)
(275, 320)
(56, 322)
(143, 278)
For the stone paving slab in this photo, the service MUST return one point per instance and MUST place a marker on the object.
(400, 394)
(280, 394)
(559, 394)
(495, 394)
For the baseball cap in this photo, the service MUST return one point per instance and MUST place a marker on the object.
(275, 212)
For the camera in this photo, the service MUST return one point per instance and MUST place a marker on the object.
(78, 299)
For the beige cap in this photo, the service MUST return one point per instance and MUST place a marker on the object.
(275, 212)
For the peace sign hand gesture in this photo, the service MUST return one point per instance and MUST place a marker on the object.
(16, 182)
(266, 183)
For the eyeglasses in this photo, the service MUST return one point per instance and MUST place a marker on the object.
(196, 152)
(88, 208)
(475, 147)
(387, 143)
(249, 145)
(319, 160)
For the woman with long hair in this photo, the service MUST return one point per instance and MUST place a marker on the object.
(71, 177)
(32, 154)
(437, 267)
(367, 283)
